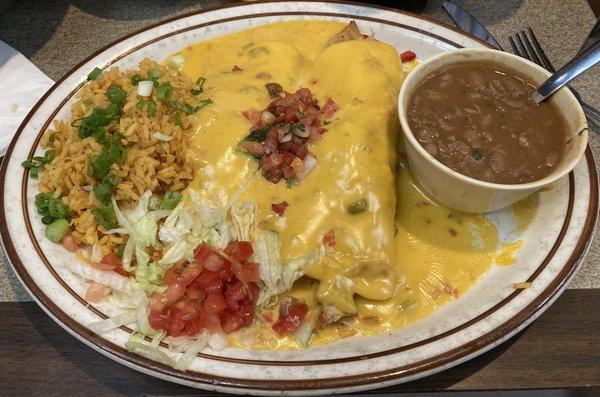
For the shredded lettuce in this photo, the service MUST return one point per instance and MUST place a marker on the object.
(242, 217)
(108, 324)
(110, 279)
(278, 276)
(190, 224)
(190, 354)
(136, 344)
(96, 253)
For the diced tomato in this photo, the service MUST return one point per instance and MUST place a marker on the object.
(329, 108)
(249, 273)
(407, 56)
(187, 309)
(239, 250)
(329, 238)
(215, 303)
(215, 292)
(254, 148)
(177, 289)
(252, 115)
(211, 322)
(247, 312)
(116, 262)
(70, 242)
(279, 208)
(103, 266)
(234, 293)
(214, 288)
(202, 252)
(291, 315)
(96, 292)
(213, 262)
(171, 275)
(267, 317)
(205, 279)
(198, 294)
(173, 326)
(253, 291)
(231, 322)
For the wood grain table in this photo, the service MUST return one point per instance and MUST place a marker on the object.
(561, 350)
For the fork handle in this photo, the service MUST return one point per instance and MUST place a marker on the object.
(572, 69)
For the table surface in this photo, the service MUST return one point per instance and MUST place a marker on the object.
(560, 350)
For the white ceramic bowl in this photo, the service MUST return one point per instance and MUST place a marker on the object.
(468, 194)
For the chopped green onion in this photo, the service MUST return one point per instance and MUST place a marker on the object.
(120, 251)
(94, 74)
(202, 104)
(151, 108)
(154, 75)
(170, 200)
(178, 120)
(135, 79)
(141, 103)
(103, 192)
(51, 208)
(116, 94)
(57, 230)
(105, 216)
(164, 91)
(358, 207)
(112, 152)
(37, 163)
(200, 82)
(194, 91)
(46, 220)
(258, 135)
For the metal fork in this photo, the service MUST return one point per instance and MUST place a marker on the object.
(527, 46)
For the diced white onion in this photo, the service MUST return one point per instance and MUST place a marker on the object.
(310, 163)
(304, 334)
(96, 253)
(267, 117)
(175, 62)
(145, 88)
(298, 132)
(285, 138)
(162, 137)
(218, 341)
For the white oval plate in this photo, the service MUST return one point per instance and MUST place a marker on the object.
(491, 312)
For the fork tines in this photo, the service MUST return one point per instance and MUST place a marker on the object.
(528, 47)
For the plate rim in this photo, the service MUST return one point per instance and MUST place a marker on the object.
(448, 358)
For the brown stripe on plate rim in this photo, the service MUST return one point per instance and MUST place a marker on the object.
(575, 258)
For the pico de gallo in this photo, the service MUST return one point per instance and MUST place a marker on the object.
(280, 134)
(216, 292)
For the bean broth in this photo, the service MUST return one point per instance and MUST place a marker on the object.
(479, 119)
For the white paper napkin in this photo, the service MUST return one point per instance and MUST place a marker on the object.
(21, 85)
